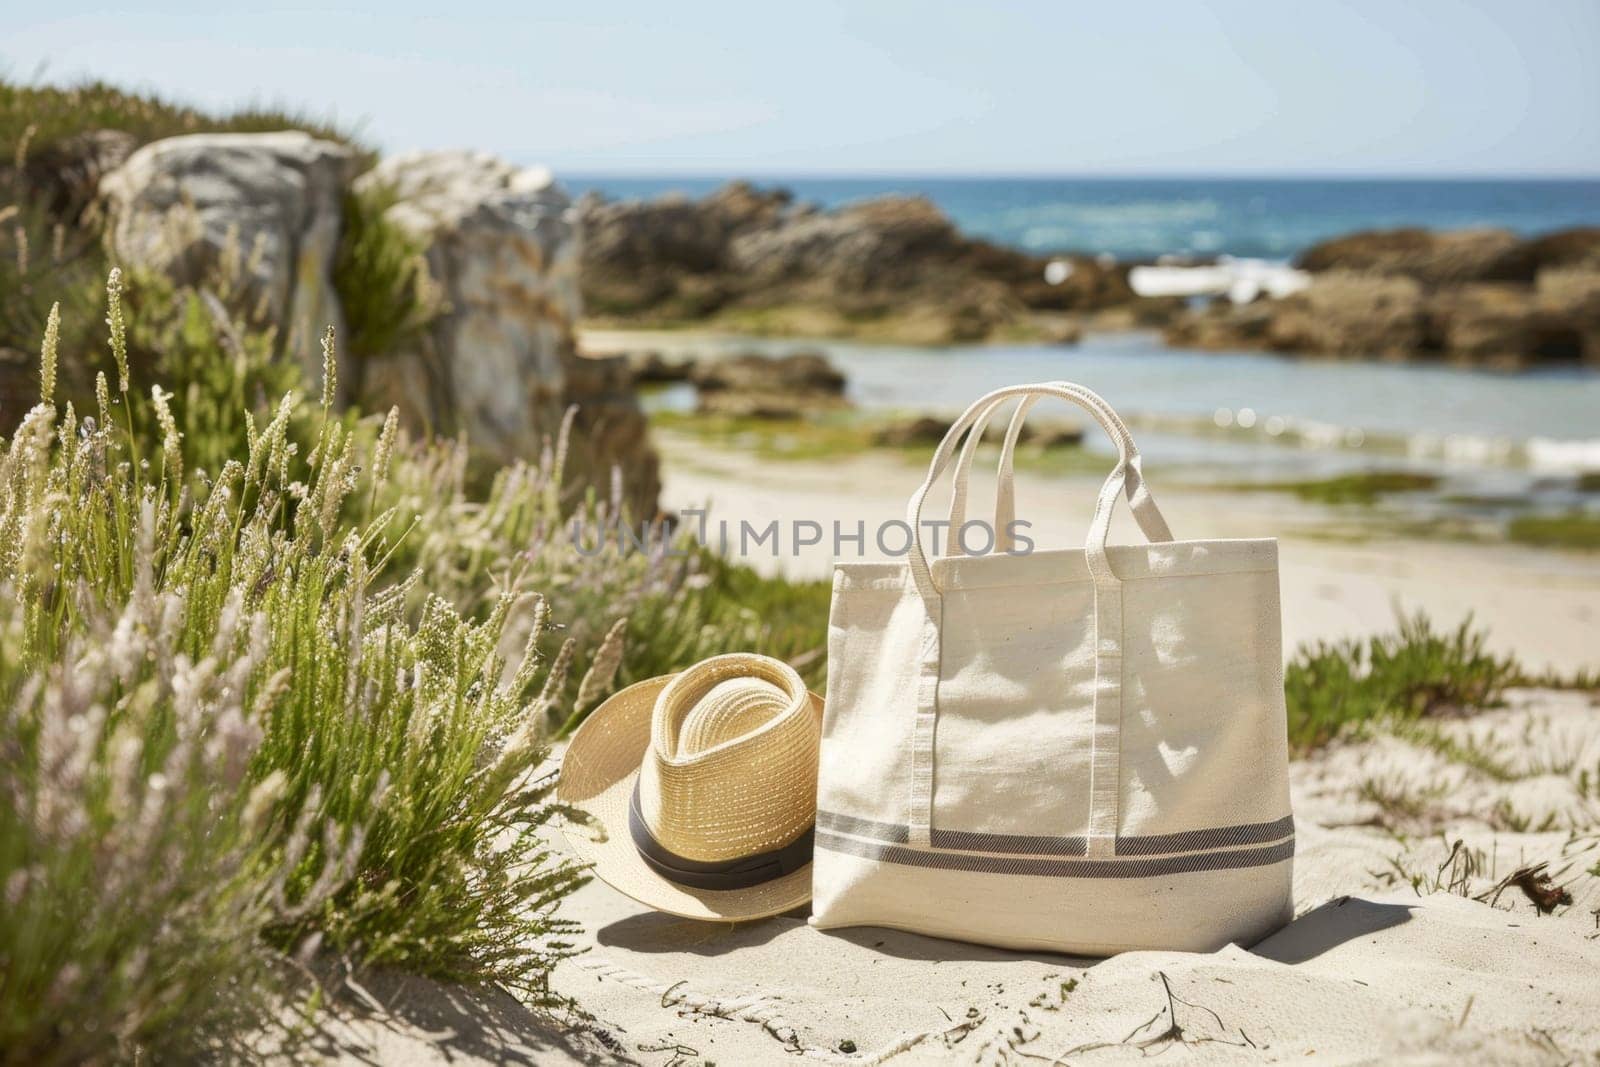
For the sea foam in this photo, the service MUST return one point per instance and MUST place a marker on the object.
(1240, 280)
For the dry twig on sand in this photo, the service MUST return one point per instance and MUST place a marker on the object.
(1174, 1034)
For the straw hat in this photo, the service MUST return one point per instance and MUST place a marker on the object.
(701, 789)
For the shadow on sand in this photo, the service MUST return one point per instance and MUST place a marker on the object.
(1319, 930)
(1340, 920)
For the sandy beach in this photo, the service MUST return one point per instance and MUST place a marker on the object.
(1411, 944)
(1413, 941)
(365, 382)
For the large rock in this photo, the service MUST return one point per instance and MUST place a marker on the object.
(758, 386)
(1570, 298)
(895, 260)
(1340, 314)
(1427, 256)
(1574, 249)
(1511, 327)
(1499, 325)
(500, 364)
(641, 254)
(274, 199)
(1353, 316)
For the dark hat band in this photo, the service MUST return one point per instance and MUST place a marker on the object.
(741, 872)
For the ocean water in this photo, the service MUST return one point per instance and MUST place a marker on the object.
(1237, 415)
(1143, 218)
(1232, 414)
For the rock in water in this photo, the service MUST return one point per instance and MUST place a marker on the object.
(500, 363)
(892, 266)
(277, 198)
(769, 387)
(1427, 256)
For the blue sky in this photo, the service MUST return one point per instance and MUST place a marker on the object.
(1066, 87)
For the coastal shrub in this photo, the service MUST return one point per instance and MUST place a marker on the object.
(1410, 673)
(217, 709)
(680, 602)
(132, 864)
(47, 114)
(287, 673)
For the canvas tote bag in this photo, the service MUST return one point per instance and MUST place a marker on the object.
(1079, 750)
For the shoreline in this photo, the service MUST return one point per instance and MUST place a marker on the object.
(1464, 471)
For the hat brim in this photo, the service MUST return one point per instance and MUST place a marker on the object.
(597, 777)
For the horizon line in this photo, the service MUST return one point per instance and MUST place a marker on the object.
(734, 174)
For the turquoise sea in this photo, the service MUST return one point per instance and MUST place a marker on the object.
(1143, 218)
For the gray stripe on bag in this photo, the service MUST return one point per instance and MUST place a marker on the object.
(1254, 833)
(1057, 868)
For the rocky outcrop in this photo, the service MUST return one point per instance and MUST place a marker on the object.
(503, 244)
(1426, 256)
(270, 201)
(773, 387)
(890, 266)
(1454, 257)
(500, 363)
(1340, 314)
(1476, 298)
(1510, 326)
(925, 430)
(1577, 249)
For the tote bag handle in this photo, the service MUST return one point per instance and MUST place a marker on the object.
(1106, 754)
(1143, 505)
(1126, 477)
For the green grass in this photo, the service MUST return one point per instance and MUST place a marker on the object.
(1576, 529)
(1362, 487)
(382, 277)
(1411, 673)
(1405, 677)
